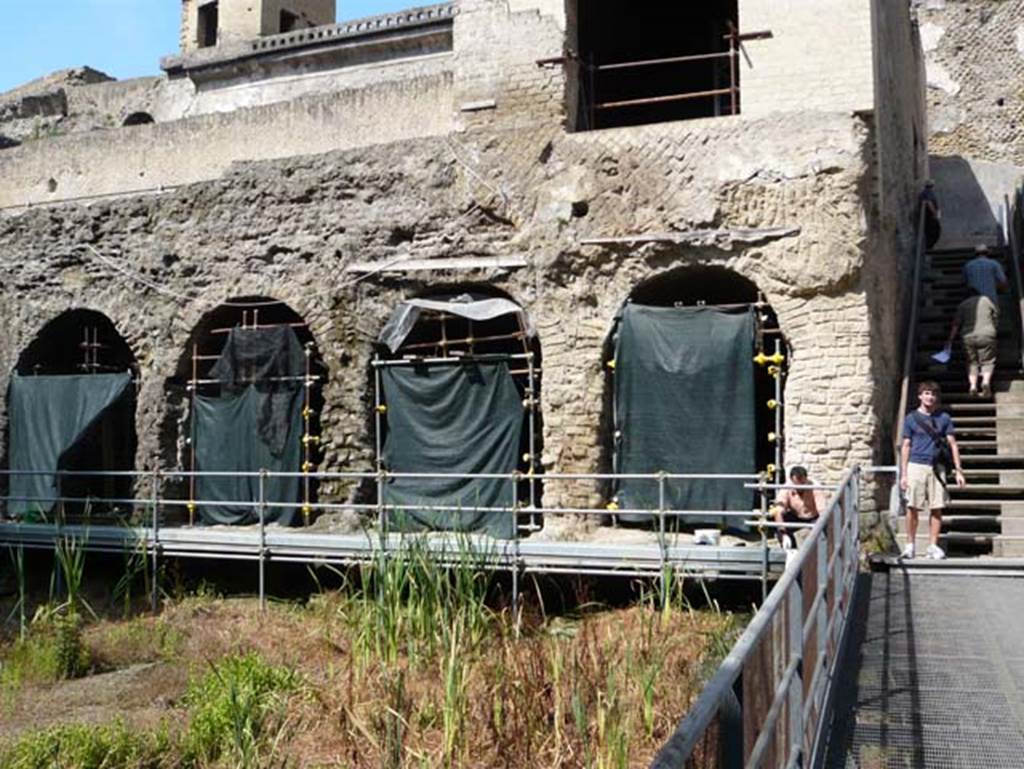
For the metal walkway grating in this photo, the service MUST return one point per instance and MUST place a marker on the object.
(933, 676)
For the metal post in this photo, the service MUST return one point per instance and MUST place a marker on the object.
(378, 417)
(661, 535)
(532, 467)
(733, 55)
(193, 387)
(263, 538)
(730, 728)
(306, 437)
(779, 473)
(795, 707)
(764, 545)
(156, 540)
(515, 547)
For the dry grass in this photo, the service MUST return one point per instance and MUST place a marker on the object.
(455, 684)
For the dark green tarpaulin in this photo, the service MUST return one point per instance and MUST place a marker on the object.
(227, 439)
(49, 415)
(254, 424)
(463, 418)
(684, 403)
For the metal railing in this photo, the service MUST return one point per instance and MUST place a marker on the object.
(163, 526)
(910, 335)
(768, 703)
(1014, 224)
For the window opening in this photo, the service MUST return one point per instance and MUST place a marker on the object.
(199, 371)
(440, 337)
(289, 21)
(656, 62)
(138, 118)
(206, 33)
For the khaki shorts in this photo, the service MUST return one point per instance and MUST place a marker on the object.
(980, 350)
(924, 489)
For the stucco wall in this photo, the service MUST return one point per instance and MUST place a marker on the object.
(288, 229)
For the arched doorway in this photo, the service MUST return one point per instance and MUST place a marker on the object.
(457, 383)
(71, 411)
(253, 378)
(138, 118)
(694, 386)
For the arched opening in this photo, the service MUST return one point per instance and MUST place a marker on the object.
(138, 118)
(71, 411)
(253, 378)
(457, 382)
(693, 387)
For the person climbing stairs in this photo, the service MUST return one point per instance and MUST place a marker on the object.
(986, 516)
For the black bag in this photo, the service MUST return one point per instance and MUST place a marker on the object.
(943, 453)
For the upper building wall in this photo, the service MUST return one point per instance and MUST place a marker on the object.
(238, 20)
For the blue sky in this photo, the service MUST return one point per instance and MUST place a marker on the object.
(124, 38)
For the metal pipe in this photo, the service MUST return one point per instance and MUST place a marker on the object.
(378, 427)
(263, 539)
(655, 62)
(663, 99)
(471, 358)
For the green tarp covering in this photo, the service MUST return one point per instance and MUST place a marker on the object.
(49, 416)
(684, 403)
(254, 424)
(463, 418)
(226, 435)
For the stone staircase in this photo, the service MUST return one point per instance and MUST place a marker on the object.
(987, 516)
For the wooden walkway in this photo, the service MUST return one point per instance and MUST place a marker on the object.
(933, 675)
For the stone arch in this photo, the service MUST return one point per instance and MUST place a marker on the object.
(138, 118)
(695, 285)
(438, 334)
(193, 378)
(80, 343)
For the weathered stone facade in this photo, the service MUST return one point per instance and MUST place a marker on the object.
(831, 240)
(975, 60)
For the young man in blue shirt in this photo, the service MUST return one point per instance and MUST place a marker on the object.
(922, 475)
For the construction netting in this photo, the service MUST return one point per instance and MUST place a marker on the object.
(684, 403)
(451, 418)
(470, 306)
(253, 424)
(53, 422)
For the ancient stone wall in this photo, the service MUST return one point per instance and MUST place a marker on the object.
(975, 62)
(168, 154)
(289, 228)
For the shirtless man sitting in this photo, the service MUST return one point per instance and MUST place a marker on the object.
(796, 505)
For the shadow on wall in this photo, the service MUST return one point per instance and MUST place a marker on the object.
(970, 196)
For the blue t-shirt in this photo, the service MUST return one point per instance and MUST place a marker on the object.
(922, 445)
(984, 275)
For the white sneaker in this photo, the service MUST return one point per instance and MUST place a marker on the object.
(936, 553)
(909, 551)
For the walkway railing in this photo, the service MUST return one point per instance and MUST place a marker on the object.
(1014, 222)
(768, 702)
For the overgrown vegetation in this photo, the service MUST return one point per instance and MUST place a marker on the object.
(415, 661)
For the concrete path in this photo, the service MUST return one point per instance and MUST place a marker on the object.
(933, 676)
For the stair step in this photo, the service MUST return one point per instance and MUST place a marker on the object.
(1008, 461)
(987, 489)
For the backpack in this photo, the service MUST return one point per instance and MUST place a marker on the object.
(943, 453)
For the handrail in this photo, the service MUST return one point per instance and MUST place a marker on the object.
(910, 350)
(766, 705)
(1015, 236)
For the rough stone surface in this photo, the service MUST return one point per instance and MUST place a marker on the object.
(975, 63)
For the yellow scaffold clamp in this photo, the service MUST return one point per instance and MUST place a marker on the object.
(769, 471)
(611, 364)
(307, 511)
(774, 371)
(307, 412)
(191, 507)
(773, 404)
(307, 466)
(772, 437)
(382, 409)
(761, 359)
(308, 439)
(613, 505)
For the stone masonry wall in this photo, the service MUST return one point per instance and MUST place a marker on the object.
(975, 64)
(288, 228)
(186, 151)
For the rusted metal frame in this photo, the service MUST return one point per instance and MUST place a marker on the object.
(444, 342)
(663, 99)
(256, 324)
(193, 395)
(668, 60)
